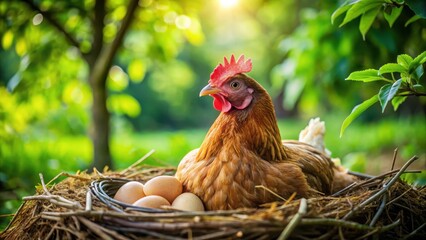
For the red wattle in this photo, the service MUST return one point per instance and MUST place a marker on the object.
(220, 103)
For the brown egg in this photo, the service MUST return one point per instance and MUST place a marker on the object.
(166, 186)
(130, 192)
(188, 202)
(152, 201)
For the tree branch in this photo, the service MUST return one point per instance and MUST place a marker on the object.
(125, 24)
(54, 23)
(107, 54)
(417, 94)
(285, 234)
(98, 28)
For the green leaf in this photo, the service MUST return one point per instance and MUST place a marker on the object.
(404, 60)
(418, 73)
(393, 15)
(383, 95)
(366, 20)
(387, 92)
(420, 59)
(356, 111)
(360, 7)
(339, 11)
(398, 100)
(392, 67)
(418, 88)
(412, 19)
(368, 75)
(418, 7)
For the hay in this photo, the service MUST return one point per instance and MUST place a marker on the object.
(79, 207)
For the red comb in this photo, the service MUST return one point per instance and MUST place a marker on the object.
(229, 69)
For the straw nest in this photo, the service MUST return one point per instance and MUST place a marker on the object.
(80, 207)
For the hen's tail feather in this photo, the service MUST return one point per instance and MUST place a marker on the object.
(313, 134)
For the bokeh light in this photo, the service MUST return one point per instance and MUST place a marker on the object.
(228, 3)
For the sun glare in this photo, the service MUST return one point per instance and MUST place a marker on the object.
(228, 3)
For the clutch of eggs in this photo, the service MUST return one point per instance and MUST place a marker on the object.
(157, 192)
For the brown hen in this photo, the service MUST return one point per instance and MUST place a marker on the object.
(243, 150)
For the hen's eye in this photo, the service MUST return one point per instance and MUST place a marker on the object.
(235, 84)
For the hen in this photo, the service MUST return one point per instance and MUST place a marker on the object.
(243, 150)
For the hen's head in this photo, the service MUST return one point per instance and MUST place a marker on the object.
(228, 85)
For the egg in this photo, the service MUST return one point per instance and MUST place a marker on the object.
(130, 192)
(166, 186)
(152, 201)
(188, 202)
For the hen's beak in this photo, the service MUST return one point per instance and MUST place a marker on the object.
(207, 90)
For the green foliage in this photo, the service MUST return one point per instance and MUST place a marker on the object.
(367, 10)
(418, 7)
(402, 79)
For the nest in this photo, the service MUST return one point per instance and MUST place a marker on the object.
(81, 207)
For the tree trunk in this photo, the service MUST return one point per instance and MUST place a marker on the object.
(100, 61)
(100, 131)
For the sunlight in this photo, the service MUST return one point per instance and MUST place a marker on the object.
(228, 3)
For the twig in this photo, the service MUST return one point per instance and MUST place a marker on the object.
(147, 216)
(56, 219)
(400, 196)
(112, 233)
(68, 175)
(218, 235)
(415, 231)
(182, 225)
(76, 222)
(401, 171)
(55, 199)
(95, 228)
(88, 200)
(44, 185)
(344, 189)
(270, 191)
(379, 211)
(290, 198)
(285, 234)
(145, 232)
(345, 224)
(138, 162)
(395, 153)
(360, 175)
(50, 232)
(96, 171)
(385, 188)
(368, 234)
(356, 185)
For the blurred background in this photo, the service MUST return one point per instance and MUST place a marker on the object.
(50, 52)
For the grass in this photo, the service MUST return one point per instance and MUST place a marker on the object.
(365, 147)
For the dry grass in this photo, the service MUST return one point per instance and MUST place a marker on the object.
(79, 207)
